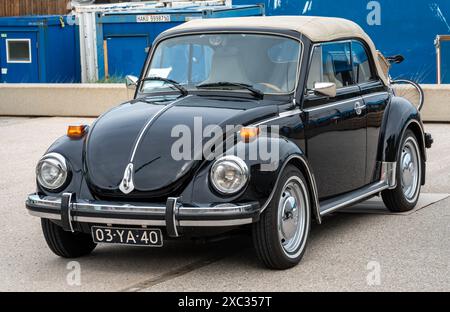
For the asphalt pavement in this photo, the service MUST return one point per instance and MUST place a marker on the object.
(349, 251)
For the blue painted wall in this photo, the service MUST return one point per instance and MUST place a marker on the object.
(407, 27)
(127, 39)
(54, 49)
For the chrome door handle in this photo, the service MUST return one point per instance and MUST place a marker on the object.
(359, 108)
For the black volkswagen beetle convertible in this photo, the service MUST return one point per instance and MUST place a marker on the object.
(299, 119)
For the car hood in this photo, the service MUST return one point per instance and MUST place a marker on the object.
(140, 133)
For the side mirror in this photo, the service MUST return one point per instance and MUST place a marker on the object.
(325, 88)
(131, 82)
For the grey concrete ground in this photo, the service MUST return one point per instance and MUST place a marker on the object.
(413, 251)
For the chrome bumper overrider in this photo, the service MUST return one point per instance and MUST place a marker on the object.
(171, 215)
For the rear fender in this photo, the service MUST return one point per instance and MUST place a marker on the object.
(401, 115)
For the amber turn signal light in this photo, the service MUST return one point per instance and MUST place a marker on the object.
(249, 133)
(76, 132)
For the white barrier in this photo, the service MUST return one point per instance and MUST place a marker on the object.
(87, 100)
(91, 100)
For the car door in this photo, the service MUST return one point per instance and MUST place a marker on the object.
(335, 127)
(376, 98)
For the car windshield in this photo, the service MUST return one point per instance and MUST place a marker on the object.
(249, 62)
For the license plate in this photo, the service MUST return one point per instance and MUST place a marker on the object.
(153, 18)
(124, 236)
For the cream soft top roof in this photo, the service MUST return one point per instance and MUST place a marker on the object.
(317, 29)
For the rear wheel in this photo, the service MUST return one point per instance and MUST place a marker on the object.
(281, 234)
(409, 176)
(66, 244)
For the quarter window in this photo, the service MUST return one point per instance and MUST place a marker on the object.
(18, 50)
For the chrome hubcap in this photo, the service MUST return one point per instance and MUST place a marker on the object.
(409, 169)
(292, 215)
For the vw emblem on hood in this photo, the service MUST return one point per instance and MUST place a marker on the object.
(127, 184)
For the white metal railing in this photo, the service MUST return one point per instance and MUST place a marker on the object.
(129, 6)
(437, 43)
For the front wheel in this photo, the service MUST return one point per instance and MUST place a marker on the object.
(408, 176)
(66, 244)
(281, 235)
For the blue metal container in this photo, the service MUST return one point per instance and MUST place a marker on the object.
(407, 27)
(123, 38)
(38, 49)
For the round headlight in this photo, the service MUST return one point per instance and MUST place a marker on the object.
(229, 174)
(51, 171)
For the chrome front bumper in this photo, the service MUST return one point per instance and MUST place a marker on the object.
(172, 215)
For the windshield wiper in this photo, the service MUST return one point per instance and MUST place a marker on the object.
(224, 84)
(177, 85)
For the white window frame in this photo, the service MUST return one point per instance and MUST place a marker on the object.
(9, 61)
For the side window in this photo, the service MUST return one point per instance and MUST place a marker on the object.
(331, 62)
(361, 63)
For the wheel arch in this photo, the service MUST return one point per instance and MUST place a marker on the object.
(401, 116)
(417, 129)
(300, 162)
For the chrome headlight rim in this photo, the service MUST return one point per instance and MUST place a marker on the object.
(242, 166)
(57, 160)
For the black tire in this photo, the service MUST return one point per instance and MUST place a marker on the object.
(66, 244)
(266, 235)
(396, 200)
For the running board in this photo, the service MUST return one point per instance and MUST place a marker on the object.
(343, 201)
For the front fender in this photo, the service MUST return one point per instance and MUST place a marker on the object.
(264, 175)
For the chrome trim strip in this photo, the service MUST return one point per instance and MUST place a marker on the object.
(150, 122)
(217, 210)
(312, 109)
(345, 102)
(366, 96)
(294, 112)
(216, 222)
